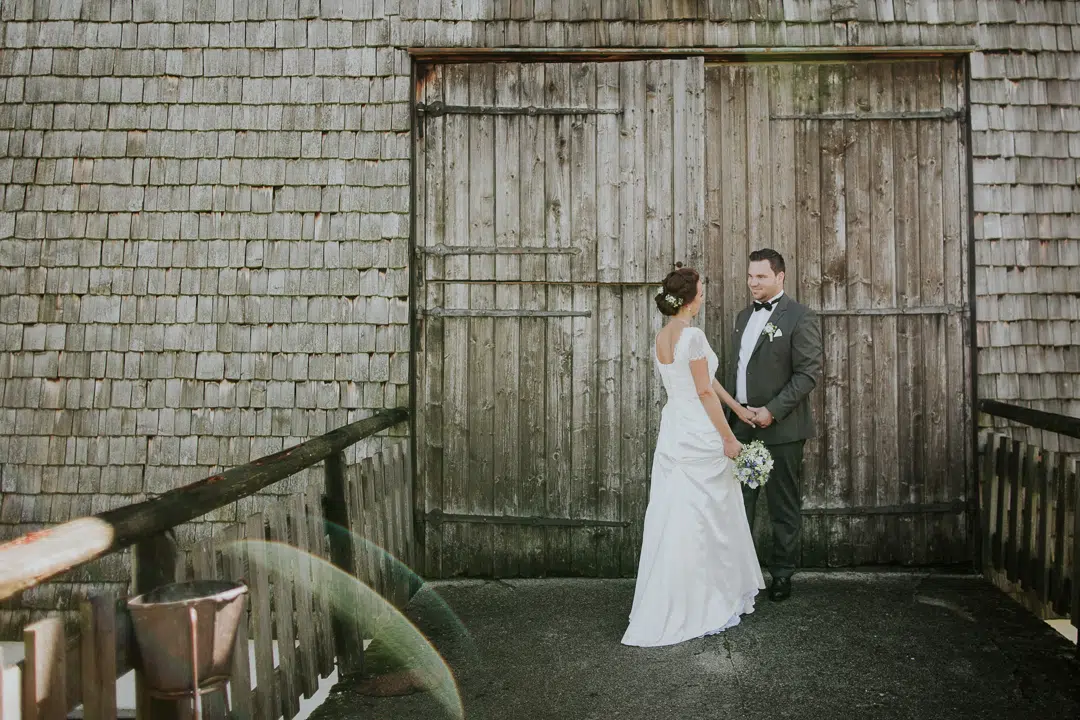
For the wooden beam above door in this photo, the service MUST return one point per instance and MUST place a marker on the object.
(711, 54)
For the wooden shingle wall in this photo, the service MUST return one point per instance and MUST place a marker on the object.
(204, 214)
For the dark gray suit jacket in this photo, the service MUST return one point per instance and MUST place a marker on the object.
(781, 373)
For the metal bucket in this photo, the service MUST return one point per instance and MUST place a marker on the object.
(169, 634)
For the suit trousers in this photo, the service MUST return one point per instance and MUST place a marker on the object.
(785, 506)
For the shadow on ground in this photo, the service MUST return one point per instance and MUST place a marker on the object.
(846, 645)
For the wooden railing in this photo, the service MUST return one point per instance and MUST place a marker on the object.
(1030, 540)
(359, 518)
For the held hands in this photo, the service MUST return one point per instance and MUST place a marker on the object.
(746, 415)
(762, 418)
(732, 447)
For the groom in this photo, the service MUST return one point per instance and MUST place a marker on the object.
(779, 348)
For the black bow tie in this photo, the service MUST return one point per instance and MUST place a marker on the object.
(767, 305)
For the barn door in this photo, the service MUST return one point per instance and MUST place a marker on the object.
(551, 200)
(856, 173)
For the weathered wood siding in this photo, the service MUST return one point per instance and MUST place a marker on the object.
(268, 194)
(857, 174)
(552, 195)
(866, 159)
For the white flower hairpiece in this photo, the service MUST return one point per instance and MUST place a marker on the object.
(673, 301)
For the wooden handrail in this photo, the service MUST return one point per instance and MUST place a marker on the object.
(1038, 419)
(37, 557)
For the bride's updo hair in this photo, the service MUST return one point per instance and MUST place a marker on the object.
(679, 289)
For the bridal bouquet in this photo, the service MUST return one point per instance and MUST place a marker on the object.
(753, 465)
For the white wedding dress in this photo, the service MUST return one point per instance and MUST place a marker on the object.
(698, 572)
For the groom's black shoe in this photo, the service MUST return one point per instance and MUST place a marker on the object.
(780, 589)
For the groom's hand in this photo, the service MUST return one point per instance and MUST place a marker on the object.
(746, 415)
(762, 417)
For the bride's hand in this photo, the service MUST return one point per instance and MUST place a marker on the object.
(732, 447)
(746, 415)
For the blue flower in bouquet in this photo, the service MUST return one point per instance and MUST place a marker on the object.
(753, 464)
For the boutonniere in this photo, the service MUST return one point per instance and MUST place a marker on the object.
(772, 331)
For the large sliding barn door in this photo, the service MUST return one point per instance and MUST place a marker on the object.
(551, 199)
(856, 172)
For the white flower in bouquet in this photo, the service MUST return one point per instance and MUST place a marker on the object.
(753, 464)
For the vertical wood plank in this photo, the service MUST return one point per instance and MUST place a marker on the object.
(317, 536)
(456, 347)
(402, 512)
(758, 159)
(1028, 469)
(959, 463)
(375, 497)
(632, 470)
(392, 505)
(368, 570)
(1016, 454)
(932, 292)
(596, 443)
(734, 200)
(240, 697)
(532, 372)
(834, 213)
(806, 81)
(507, 485)
(641, 324)
(281, 577)
(350, 616)
(912, 420)
(611, 256)
(571, 222)
(964, 327)
(430, 419)
(44, 693)
(621, 368)
(679, 149)
(863, 473)
(883, 294)
(566, 396)
(266, 693)
(717, 274)
(418, 267)
(1074, 507)
(632, 176)
(1043, 526)
(1058, 574)
(582, 159)
(692, 163)
(303, 590)
(1001, 473)
(340, 514)
(783, 169)
(658, 162)
(481, 392)
(987, 497)
(410, 524)
(97, 657)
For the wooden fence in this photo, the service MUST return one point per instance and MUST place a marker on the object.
(1029, 497)
(359, 520)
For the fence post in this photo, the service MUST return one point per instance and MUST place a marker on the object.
(348, 642)
(44, 692)
(153, 564)
(97, 648)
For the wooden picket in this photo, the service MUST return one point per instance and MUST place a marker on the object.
(1031, 527)
(368, 504)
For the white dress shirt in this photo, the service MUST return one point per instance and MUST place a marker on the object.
(757, 322)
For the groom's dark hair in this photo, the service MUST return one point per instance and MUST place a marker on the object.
(776, 260)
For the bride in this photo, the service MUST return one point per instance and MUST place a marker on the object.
(698, 572)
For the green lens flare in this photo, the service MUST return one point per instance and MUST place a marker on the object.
(400, 645)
